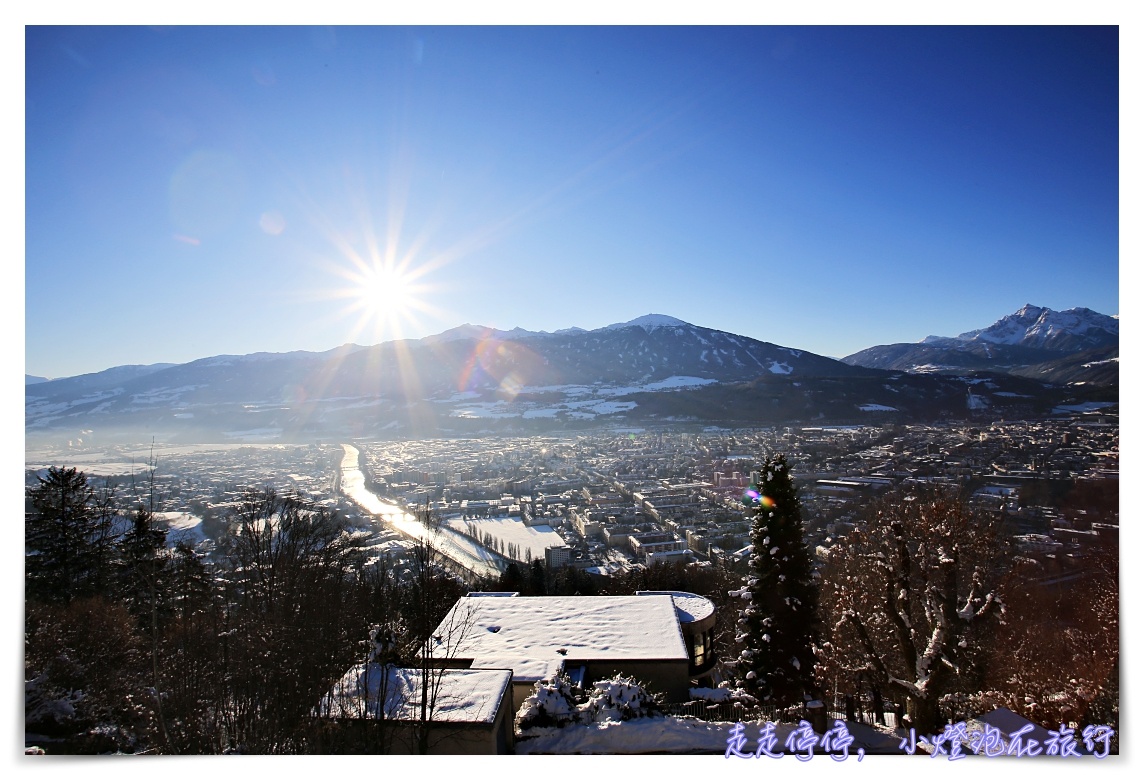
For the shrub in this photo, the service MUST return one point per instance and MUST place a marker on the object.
(620, 698)
(551, 703)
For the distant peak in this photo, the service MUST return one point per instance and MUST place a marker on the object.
(466, 331)
(478, 333)
(650, 322)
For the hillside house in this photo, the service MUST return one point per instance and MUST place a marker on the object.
(379, 707)
(663, 639)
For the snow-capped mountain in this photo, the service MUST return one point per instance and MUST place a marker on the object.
(650, 322)
(1033, 336)
(1073, 330)
(650, 370)
(468, 372)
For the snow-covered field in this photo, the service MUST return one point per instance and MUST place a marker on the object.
(92, 468)
(1089, 406)
(511, 530)
(182, 527)
(579, 402)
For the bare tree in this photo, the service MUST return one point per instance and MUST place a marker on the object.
(910, 594)
(438, 631)
(1056, 657)
(290, 615)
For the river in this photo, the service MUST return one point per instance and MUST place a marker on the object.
(452, 545)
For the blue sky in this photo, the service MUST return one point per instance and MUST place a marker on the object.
(193, 191)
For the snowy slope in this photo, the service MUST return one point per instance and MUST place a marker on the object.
(1031, 336)
(1042, 328)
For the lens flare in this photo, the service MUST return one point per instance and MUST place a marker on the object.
(506, 366)
(752, 497)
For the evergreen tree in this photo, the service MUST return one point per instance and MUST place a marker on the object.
(778, 625)
(68, 536)
(144, 564)
(144, 588)
(192, 586)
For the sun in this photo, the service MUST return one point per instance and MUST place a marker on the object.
(384, 297)
(384, 293)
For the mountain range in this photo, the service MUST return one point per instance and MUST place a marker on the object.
(654, 369)
(1078, 345)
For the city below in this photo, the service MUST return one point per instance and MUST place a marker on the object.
(610, 500)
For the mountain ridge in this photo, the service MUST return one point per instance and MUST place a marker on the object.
(1033, 336)
(473, 378)
(571, 375)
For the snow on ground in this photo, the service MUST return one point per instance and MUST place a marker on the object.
(644, 735)
(182, 527)
(611, 407)
(1088, 406)
(580, 401)
(162, 394)
(1102, 362)
(648, 322)
(566, 389)
(671, 383)
(780, 368)
(679, 381)
(931, 368)
(580, 409)
(392, 548)
(494, 410)
(876, 408)
(511, 530)
(92, 468)
(976, 402)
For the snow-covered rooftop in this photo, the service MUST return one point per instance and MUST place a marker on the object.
(689, 607)
(465, 695)
(536, 635)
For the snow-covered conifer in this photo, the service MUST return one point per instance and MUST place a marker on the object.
(778, 625)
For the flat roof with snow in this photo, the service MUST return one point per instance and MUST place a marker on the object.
(535, 635)
(464, 696)
(689, 607)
